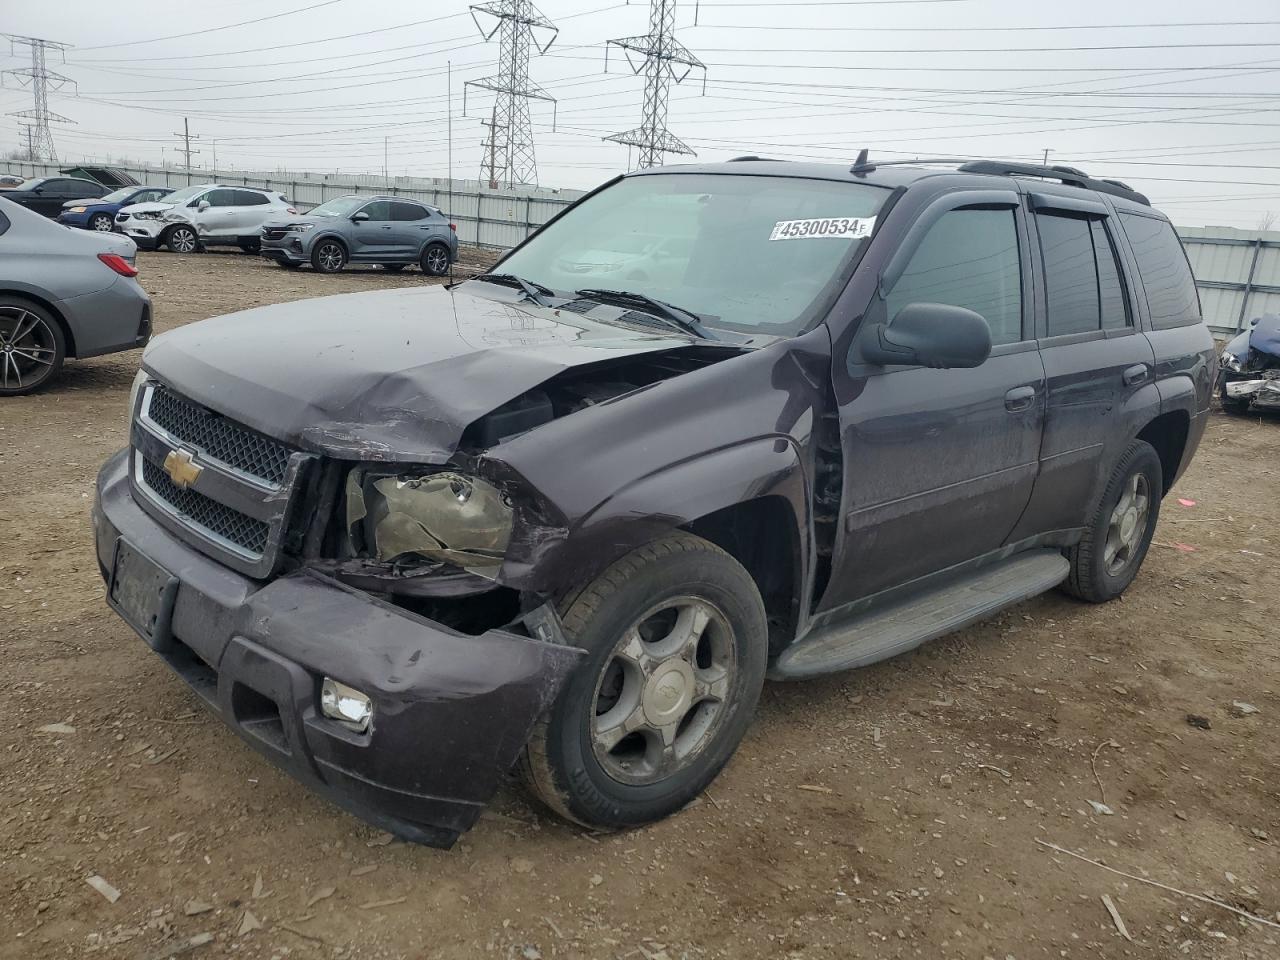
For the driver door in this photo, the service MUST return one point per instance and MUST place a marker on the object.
(939, 464)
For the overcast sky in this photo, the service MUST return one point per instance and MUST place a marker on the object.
(1188, 114)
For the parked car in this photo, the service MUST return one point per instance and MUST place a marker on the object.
(8, 181)
(195, 217)
(385, 230)
(401, 541)
(46, 195)
(1250, 367)
(63, 293)
(100, 214)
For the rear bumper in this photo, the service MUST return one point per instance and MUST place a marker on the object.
(451, 711)
(115, 318)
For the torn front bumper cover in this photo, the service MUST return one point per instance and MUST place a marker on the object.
(1260, 393)
(451, 712)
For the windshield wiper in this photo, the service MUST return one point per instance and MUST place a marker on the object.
(534, 291)
(679, 317)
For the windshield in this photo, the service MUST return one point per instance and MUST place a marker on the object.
(338, 207)
(115, 196)
(747, 253)
(184, 194)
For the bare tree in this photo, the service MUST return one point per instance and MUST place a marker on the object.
(1267, 220)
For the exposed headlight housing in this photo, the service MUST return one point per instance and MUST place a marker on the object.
(447, 517)
(146, 214)
(1231, 362)
(347, 705)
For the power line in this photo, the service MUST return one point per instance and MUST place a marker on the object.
(827, 28)
(229, 26)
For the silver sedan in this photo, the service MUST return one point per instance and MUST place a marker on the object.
(63, 293)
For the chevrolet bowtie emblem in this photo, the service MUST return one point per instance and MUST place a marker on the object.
(180, 469)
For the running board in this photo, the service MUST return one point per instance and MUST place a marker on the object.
(903, 625)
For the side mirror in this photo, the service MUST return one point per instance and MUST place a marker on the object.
(360, 217)
(931, 335)
(203, 205)
(37, 189)
(1254, 321)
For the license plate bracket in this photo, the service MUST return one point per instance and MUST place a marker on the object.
(143, 593)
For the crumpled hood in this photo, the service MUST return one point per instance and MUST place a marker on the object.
(1265, 335)
(388, 375)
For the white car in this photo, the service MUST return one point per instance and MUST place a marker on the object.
(204, 214)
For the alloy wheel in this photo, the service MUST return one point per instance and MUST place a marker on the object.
(437, 261)
(28, 348)
(182, 240)
(329, 257)
(1128, 524)
(661, 697)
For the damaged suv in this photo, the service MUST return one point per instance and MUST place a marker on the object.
(1250, 372)
(529, 522)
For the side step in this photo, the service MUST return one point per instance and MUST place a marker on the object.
(905, 624)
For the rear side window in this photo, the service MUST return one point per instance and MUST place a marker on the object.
(408, 211)
(1082, 281)
(1165, 273)
(969, 258)
(250, 198)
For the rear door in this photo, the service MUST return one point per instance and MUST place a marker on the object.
(1099, 368)
(939, 464)
(413, 226)
(253, 209)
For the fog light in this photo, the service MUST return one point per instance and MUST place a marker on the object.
(345, 704)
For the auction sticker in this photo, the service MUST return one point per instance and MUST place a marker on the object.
(839, 228)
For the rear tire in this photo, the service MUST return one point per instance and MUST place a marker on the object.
(435, 260)
(676, 642)
(329, 256)
(32, 346)
(1106, 560)
(182, 239)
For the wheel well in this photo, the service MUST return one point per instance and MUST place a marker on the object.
(53, 312)
(1168, 434)
(336, 239)
(435, 243)
(761, 535)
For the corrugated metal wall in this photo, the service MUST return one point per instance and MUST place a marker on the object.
(498, 219)
(1237, 273)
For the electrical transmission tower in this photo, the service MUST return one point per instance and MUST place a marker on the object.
(41, 80)
(187, 136)
(508, 150)
(664, 56)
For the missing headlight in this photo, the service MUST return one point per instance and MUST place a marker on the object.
(445, 517)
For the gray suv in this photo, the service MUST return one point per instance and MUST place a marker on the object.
(387, 230)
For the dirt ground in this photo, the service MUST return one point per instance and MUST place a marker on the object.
(899, 811)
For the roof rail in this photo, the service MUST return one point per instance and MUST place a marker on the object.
(1068, 175)
(752, 156)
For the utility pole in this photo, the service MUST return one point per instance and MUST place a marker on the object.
(488, 160)
(215, 159)
(1046, 157)
(384, 159)
(666, 59)
(186, 141)
(41, 80)
(511, 159)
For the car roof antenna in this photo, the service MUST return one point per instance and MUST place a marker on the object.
(862, 166)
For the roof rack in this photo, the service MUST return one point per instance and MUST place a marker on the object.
(752, 156)
(1068, 175)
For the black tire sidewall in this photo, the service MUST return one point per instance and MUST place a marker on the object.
(1140, 456)
(427, 253)
(592, 796)
(59, 341)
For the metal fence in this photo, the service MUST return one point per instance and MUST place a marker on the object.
(497, 219)
(1236, 271)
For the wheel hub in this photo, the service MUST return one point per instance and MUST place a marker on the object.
(1128, 524)
(668, 692)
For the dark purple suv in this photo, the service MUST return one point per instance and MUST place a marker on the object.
(711, 424)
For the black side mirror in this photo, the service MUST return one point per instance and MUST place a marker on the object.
(931, 335)
(360, 217)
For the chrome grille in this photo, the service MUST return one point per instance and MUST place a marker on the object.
(218, 519)
(217, 437)
(271, 233)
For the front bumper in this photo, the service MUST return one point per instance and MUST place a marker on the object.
(73, 219)
(451, 711)
(289, 249)
(145, 233)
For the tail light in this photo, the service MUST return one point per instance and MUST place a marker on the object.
(119, 264)
(292, 212)
(453, 227)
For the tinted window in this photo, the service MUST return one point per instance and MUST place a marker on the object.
(1115, 305)
(1070, 274)
(408, 211)
(219, 198)
(250, 198)
(378, 209)
(969, 258)
(1162, 266)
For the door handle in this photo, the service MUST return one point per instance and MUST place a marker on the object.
(1019, 398)
(386, 226)
(1136, 374)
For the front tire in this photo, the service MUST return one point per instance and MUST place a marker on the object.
(182, 239)
(1106, 560)
(329, 256)
(676, 642)
(435, 260)
(101, 223)
(32, 346)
